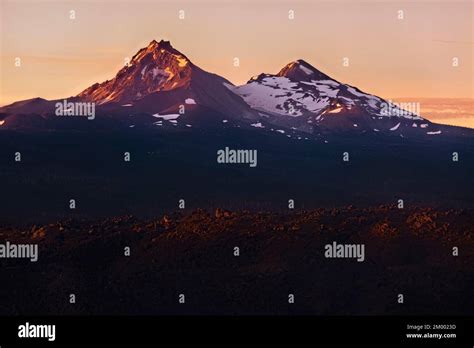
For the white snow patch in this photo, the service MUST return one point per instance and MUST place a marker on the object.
(373, 102)
(376, 130)
(434, 133)
(346, 100)
(127, 105)
(143, 71)
(355, 125)
(330, 82)
(394, 128)
(257, 125)
(162, 73)
(167, 117)
(188, 125)
(305, 69)
(424, 125)
(280, 131)
(353, 91)
(155, 72)
(279, 96)
(2, 122)
(414, 125)
(325, 88)
(225, 121)
(190, 101)
(132, 125)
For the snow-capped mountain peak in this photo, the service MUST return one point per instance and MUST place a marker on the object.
(160, 78)
(301, 94)
(157, 67)
(159, 50)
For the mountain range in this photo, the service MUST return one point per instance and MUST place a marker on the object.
(161, 87)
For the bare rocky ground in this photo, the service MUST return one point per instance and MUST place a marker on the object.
(408, 251)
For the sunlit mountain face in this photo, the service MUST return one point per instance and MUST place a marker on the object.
(157, 67)
(161, 86)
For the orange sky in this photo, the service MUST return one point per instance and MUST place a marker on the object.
(388, 57)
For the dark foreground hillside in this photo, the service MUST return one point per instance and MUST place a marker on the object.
(407, 252)
(173, 163)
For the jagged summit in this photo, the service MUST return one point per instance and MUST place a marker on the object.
(154, 68)
(300, 70)
(162, 44)
(156, 49)
(156, 45)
